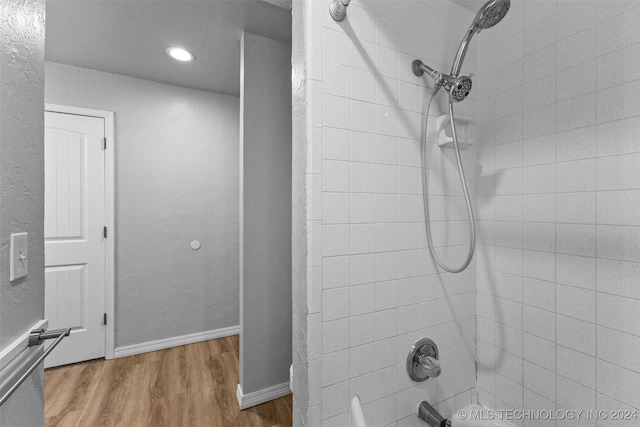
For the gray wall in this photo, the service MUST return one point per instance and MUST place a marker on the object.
(176, 181)
(22, 188)
(265, 248)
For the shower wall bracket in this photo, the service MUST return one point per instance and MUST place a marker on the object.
(463, 125)
(338, 9)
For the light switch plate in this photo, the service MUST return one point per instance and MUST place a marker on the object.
(18, 256)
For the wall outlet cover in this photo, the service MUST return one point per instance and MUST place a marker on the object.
(18, 256)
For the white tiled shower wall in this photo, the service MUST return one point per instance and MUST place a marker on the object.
(372, 288)
(559, 208)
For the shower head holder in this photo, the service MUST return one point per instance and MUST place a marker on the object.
(458, 87)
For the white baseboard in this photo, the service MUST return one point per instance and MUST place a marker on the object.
(130, 350)
(257, 397)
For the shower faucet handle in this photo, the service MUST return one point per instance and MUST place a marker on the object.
(430, 365)
(422, 360)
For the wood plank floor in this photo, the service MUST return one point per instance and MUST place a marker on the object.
(191, 386)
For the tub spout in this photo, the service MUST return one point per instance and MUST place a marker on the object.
(428, 414)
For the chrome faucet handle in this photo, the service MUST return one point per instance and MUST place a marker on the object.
(422, 360)
(430, 365)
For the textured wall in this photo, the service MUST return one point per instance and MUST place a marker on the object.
(371, 287)
(559, 261)
(176, 181)
(22, 187)
(265, 280)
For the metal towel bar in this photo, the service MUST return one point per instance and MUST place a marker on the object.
(37, 337)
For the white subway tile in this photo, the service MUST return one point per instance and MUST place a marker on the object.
(335, 304)
(539, 208)
(387, 148)
(619, 137)
(331, 39)
(541, 121)
(335, 144)
(540, 63)
(386, 324)
(385, 382)
(576, 271)
(361, 329)
(577, 367)
(335, 111)
(335, 240)
(361, 299)
(335, 400)
(362, 116)
(575, 239)
(572, 19)
(386, 295)
(361, 208)
(362, 147)
(576, 176)
(576, 144)
(619, 102)
(335, 368)
(386, 266)
(540, 380)
(335, 208)
(619, 348)
(335, 175)
(335, 336)
(619, 172)
(539, 236)
(540, 323)
(619, 207)
(566, 297)
(361, 238)
(361, 178)
(574, 395)
(577, 81)
(576, 208)
(619, 242)
(386, 179)
(576, 334)
(609, 405)
(538, 293)
(618, 67)
(539, 265)
(618, 278)
(618, 32)
(577, 48)
(540, 352)
(622, 314)
(619, 383)
(335, 79)
(577, 112)
(361, 269)
(539, 150)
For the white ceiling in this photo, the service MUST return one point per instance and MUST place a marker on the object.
(130, 37)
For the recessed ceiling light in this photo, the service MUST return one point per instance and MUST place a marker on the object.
(180, 54)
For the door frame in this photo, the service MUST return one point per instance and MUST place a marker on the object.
(109, 172)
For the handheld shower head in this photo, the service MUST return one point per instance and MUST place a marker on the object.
(489, 15)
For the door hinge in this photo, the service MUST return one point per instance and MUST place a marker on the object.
(104, 143)
(104, 232)
(104, 319)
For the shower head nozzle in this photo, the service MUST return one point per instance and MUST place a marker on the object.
(491, 13)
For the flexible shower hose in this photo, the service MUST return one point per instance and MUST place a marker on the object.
(425, 182)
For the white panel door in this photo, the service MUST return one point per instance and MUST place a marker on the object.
(75, 248)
